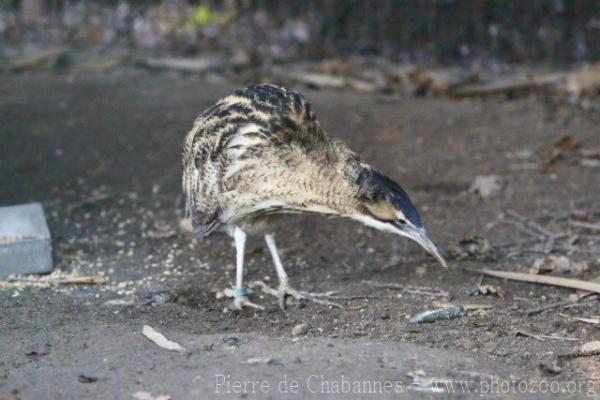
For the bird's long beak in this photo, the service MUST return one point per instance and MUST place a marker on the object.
(420, 236)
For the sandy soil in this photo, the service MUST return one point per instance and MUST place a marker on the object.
(102, 153)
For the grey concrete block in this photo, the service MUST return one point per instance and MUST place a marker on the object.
(25, 246)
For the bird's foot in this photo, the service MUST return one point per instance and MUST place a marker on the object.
(240, 298)
(284, 290)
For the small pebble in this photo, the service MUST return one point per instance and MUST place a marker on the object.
(300, 330)
(232, 341)
(259, 360)
(551, 367)
(86, 379)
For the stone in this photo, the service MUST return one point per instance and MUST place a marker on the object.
(25, 246)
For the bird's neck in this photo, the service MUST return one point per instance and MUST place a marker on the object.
(323, 183)
(321, 189)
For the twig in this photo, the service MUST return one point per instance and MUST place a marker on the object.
(542, 337)
(523, 333)
(558, 304)
(90, 200)
(191, 65)
(526, 230)
(516, 253)
(466, 307)
(356, 297)
(531, 224)
(537, 310)
(66, 280)
(507, 85)
(541, 279)
(594, 321)
(420, 290)
(528, 224)
(82, 280)
(585, 225)
(519, 243)
(49, 56)
(578, 354)
(314, 297)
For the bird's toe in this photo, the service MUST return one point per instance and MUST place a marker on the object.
(284, 291)
(240, 299)
(241, 302)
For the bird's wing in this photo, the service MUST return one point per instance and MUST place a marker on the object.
(234, 141)
(200, 180)
(267, 120)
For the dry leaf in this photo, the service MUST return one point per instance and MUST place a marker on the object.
(584, 81)
(148, 396)
(474, 247)
(588, 320)
(259, 360)
(160, 340)
(561, 264)
(489, 290)
(185, 225)
(486, 186)
(590, 346)
(568, 142)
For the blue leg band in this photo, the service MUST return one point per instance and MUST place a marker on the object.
(240, 292)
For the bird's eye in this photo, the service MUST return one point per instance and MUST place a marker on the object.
(398, 223)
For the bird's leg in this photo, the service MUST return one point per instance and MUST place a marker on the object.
(240, 294)
(284, 289)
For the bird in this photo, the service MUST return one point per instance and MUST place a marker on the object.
(259, 154)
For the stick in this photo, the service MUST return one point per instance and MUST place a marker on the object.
(49, 56)
(541, 279)
(160, 340)
(558, 304)
(425, 291)
(580, 354)
(523, 333)
(90, 200)
(192, 65)
(531, 224)
(356, 297)
(70, 279)
(523, 228)
(82, 280)
(509, 84)
(588, 320)
(585, 225)
(542, 337)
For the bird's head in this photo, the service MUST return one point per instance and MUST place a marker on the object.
(384, 205)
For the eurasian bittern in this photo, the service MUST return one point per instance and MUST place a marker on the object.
(261, 153)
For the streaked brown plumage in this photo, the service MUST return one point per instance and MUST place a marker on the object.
(260, 153)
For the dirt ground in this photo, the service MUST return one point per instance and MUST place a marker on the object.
(102, 154)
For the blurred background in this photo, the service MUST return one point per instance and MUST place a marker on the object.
(420, 47)
(491, 32)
